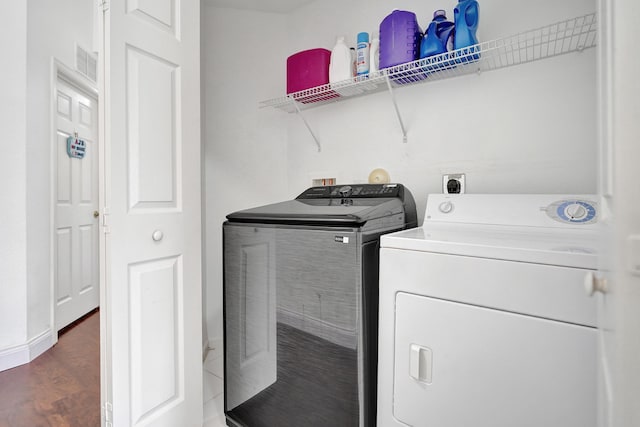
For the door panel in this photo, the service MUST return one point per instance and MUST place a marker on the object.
(156, 291)
(160, 13)
(63, 163)
(153, 354)
(153, 147)
(88, 178)
(76, 236)
(63, 271)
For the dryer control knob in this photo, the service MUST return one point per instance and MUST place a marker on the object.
(576, 211)
(445, 207)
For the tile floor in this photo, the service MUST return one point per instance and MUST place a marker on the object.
(213, 387)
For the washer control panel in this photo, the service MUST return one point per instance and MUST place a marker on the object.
(354, 191)
(573, 211)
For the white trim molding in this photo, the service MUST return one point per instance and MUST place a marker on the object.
(25, 353)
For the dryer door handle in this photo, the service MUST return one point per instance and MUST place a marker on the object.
(421, 363)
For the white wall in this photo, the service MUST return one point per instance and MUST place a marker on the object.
(526, 129)
(53, 28)
(13, 225)
(245, 147)
(32, 33)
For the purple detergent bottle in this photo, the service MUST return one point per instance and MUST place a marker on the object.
(439, 36)
(400, 37)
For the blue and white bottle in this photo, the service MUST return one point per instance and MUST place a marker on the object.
(439, 36)
(466, 17)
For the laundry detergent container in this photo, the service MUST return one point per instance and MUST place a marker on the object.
(400, 37)
(307, 69)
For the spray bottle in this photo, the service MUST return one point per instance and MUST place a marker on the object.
(362, 61)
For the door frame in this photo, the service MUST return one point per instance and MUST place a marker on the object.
(59, 70)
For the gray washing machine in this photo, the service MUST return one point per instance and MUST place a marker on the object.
(301, 305)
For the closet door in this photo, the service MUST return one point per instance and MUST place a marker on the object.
(152, 349)
(618, 278)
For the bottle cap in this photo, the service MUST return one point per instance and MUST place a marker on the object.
(439, 12)
(363, 37)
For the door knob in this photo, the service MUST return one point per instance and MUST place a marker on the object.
(157, 235)
(96, 214)
(593, 284)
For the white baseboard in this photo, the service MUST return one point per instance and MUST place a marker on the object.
(25, 353)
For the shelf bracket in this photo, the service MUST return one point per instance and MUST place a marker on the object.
(395, 105)
(315, 138)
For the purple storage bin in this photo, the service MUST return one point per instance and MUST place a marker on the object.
(400, 37)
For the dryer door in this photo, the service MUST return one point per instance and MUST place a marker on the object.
(463, 365)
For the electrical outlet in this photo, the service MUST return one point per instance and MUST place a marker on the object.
(453, 183)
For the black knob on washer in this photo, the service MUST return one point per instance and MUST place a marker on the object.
(345, 191)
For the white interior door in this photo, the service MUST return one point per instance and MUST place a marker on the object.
(619, 270)
(153, 345)
(76, 279)
(606, 310)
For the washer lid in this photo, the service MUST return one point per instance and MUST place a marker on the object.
(329, 212)
(541, 245)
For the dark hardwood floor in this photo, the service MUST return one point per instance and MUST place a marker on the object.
(61, 388)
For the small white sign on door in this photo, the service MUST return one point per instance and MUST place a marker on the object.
(76, 147)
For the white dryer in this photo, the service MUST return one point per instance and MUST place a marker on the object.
(484, 320)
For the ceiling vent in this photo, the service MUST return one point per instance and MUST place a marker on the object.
(87, 63)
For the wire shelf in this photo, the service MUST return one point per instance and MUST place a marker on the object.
(572, 35)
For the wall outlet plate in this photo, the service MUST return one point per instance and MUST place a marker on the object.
(453, 183)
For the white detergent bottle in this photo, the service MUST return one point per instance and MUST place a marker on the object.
(340, 65)
(374, 55)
